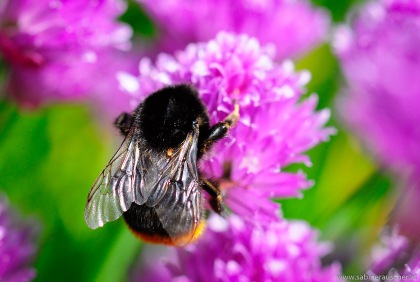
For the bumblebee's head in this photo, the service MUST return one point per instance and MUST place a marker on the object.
(168, 115)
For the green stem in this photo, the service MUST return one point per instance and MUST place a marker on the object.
(120, 258)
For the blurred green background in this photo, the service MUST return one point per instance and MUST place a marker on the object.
(50, 158)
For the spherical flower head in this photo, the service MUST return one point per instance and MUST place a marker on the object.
(16, 246)
(63, 50)
(379, 53)
(274, 130)
(292, 26)
(239, 250)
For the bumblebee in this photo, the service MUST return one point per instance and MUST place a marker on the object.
(153, 180)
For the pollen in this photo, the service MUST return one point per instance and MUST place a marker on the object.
(170, 152)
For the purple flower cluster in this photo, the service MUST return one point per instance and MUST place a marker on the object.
(390, 250)
(292, 26)
(393, 251)
(412, 269)
(16, 246)
(64, 50)
(380, 55)
(275, 128)
(237, 250)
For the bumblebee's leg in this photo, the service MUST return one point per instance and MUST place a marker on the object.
(124, 122)
(220, 129)
(216, 201)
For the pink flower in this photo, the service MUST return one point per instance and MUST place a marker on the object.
(292, 26)
(395, 257)
(389, 251)
(380, 54)
(16, 246)
(238, 250)
(64, 50)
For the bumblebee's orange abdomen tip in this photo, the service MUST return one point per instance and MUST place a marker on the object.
(180, 240)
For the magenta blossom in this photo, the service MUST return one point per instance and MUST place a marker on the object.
(395, 257)
(380, 55)
(292, 26)
(275, 128)
(406, 208)
(238, 250)
(64, 50)
(391, 249)
(16, 246)
(412, 269)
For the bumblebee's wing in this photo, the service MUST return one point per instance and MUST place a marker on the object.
(114, 189)
(176, 196)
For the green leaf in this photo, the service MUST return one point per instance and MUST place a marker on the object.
(326, 74)
(120, 258)
(139, 20)
(341, 171)
(338, 9)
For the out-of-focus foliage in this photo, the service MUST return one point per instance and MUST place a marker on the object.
(49, 160)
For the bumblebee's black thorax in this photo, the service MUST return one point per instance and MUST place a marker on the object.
(166, 117)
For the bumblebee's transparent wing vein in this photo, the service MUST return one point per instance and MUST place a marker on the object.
(114, 189)
(180, 209)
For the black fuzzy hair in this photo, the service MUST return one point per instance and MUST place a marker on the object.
(166, 116)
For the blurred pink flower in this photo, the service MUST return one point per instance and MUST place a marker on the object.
(395, 257)
(380, 55)
(275, 128)
(389, 251)
(238, 250)
(412, 269)
(292, 26)
(406, 209)
(64, 50)
(16, 246)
